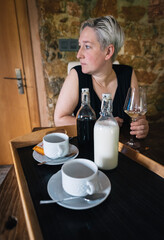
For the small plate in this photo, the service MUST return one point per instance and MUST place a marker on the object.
(42, 158)
(56, 191)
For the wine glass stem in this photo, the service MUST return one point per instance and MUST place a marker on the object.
(132, 136)
(131, 139)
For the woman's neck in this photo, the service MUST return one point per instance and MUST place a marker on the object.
(105, 78)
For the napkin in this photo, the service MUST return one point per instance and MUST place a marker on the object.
(38, 149)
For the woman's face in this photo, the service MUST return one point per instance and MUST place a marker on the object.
(91, 57)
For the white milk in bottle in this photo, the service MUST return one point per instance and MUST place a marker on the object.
(106, 137)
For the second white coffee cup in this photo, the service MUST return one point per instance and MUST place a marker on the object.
(56, 145)
(80, 177)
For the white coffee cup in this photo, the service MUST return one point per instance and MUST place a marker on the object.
(80, 177)
(56, 145)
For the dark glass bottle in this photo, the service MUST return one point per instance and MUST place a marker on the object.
(86, 119)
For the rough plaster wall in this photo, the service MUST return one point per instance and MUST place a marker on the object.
(143, 23)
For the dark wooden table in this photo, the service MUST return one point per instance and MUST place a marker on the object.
(153, 145)
(134, 209)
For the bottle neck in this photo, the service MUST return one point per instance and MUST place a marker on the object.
(85, 98)
(106, 107)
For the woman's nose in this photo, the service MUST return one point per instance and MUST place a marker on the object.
(80, 53)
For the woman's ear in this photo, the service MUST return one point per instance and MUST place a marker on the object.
(109, 52)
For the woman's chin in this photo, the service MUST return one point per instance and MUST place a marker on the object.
(85, 69)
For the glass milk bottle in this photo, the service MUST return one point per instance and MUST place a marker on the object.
(106, 136)
(85, 119)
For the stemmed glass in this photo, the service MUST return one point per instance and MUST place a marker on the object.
(135, 105)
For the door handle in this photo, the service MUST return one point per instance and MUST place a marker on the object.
(19, 80)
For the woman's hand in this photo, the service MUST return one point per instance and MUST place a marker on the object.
(119, 121)
(140, 127)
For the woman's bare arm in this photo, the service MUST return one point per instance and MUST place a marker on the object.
(67, 101)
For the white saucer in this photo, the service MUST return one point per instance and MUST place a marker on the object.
(42, 158)
(56, 191)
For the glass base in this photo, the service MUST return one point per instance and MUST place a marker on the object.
(134, 145)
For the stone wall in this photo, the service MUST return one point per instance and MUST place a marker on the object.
(143, 23)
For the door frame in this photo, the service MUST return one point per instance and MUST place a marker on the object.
(37, 57)
(37, 78)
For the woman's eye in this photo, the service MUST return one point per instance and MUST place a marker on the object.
(87, 46)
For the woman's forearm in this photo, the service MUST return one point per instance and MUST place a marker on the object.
(63, 121)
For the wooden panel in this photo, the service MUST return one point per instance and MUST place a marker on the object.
(30, 215)
(35, 38)
(27, 55)
(10, 205)
(142, 159)
(36, 137)
(19, 112)
(14, 117)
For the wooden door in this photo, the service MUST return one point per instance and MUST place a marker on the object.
(18, 112)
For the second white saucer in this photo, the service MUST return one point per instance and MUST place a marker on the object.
(42, 158)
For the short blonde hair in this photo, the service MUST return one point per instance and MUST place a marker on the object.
(108, 31)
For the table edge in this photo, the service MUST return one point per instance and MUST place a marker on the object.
(31, 219)
(138, 157)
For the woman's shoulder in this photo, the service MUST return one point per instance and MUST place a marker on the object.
(82, 76)
(77, 67)
(122, 68)
(123, 71)
(79, 71)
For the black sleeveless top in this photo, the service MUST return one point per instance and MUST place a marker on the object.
(124, 74)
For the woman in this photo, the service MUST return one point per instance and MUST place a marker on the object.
(99, 42)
